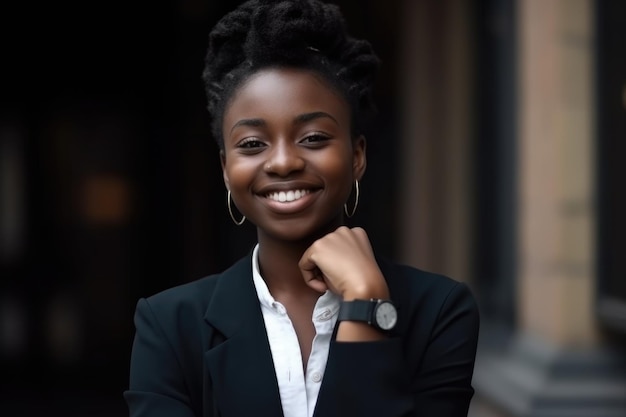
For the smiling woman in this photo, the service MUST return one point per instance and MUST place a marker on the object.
(311, 322)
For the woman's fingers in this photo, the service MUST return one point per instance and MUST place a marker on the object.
(342, 261)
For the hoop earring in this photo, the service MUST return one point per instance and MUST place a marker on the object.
(230, 211)
(356, 201)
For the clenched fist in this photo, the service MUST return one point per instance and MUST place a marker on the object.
(343, 262)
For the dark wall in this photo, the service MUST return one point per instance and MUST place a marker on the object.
(111, 187)
(494, 156)
(610, 82)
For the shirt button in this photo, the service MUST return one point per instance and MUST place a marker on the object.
(316, 377)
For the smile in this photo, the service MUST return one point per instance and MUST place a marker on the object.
(287, 196)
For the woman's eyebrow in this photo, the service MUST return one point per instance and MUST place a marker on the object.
(249, 122)
(307, 117)
(300, 119)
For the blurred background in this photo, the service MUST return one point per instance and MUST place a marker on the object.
(497, 159)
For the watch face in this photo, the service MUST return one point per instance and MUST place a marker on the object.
(386, 315)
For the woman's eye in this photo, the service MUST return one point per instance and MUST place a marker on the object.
(315, 139)
(250, 143)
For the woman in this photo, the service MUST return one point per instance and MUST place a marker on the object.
(311, 322)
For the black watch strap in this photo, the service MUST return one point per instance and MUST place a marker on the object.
(357, 310)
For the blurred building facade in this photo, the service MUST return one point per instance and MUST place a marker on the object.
(495, 159)
(512, 171)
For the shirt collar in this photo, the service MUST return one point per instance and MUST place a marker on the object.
(262, 291)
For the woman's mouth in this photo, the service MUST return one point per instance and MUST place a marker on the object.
(287, 196)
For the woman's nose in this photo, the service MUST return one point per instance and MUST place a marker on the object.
(284, 159)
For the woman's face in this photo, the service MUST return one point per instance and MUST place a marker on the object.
(289, 160)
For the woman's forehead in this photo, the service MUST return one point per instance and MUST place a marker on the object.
(285, 91)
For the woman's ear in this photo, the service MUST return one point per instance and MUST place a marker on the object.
(359, 159)
(224, 173)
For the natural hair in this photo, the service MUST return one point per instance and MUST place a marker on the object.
(305, 34)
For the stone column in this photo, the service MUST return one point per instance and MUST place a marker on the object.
(556, 179)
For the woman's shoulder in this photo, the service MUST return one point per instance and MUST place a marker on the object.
(415, 279)
(198, 290)
(191, 297)
(419, 289)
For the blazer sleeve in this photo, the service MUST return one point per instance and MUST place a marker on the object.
(398, 377)
(443, 384)
(157, 387)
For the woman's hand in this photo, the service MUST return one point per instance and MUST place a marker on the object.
(344, 263)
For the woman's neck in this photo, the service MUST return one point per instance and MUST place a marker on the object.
(279, 259)
(278, 264)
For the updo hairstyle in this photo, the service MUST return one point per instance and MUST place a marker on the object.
(306, 34)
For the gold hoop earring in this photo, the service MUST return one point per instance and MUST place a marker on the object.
(230, 211)
(356, 201)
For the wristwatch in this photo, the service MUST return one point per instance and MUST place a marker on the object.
(381, 314)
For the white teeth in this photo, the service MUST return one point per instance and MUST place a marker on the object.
(288, 196)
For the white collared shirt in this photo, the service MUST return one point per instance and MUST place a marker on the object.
(298, 392)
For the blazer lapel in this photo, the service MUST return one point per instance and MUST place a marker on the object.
(241, 368)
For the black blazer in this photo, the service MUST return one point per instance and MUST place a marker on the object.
(201, 349)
